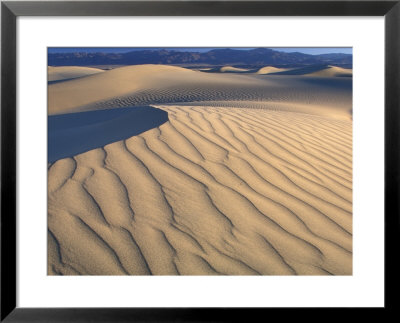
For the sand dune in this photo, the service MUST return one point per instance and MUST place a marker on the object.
(57, 73)
(331, 110)
(270, 70)
(249, 175)
(212, 191)
(312, 70)
(333, 71)
(319, 70)
(225, 69)
(159, 84)
(231, 69)
(74, 133)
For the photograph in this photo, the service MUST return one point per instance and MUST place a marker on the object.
(150, 148)
(199, 161)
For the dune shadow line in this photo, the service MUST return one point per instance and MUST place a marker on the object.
(61, 81)
(75, 133)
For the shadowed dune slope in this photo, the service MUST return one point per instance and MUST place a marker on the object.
(74, 133)
(58, 73)
(230, 191)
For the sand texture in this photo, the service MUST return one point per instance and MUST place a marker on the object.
(158, 84)
(58, 73)
(247, 175)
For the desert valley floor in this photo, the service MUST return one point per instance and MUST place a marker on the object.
(163, 170)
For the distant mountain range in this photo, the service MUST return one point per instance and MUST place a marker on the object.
(216, 57)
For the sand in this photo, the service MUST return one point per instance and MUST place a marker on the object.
(250, 175)
(333, 71)
(270, 70)
(159, 84)
(58, 73)
(231, 69)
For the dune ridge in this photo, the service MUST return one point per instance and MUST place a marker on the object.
(230, 191)
(244, 174)
(74, 133)
(327, 71)
(333, 71)
(159, 84)
(231, 69)
(57, 73)
(270, 70)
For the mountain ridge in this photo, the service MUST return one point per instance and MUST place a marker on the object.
(257, 57)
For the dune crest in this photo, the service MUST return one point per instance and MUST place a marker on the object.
(270, 70)
(326, 71)
(333, 71)
(229, 191)
(75, 133)
(70, 96)
(231, 69)
(164, 170)
(57, 73)
(159, 84)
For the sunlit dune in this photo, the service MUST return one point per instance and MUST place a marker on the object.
(333, 71)
(231, 69)
(160, 84)
(241, 174)
(318, 71)
(270, 70)
(57, 73)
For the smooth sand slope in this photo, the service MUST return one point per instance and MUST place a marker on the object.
(158, 84)
(57, 73)
(228, 190)
(231, 69)
(333, 71)
(319, 71)
(270, 70)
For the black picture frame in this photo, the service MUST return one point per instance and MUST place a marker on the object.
(10, 10)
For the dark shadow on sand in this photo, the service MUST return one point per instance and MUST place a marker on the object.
(76, 133)
(342, 83)
(61, 81)
(66, 80)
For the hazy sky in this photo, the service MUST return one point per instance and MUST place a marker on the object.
(306, 50)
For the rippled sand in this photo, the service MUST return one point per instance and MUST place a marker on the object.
(250, 175)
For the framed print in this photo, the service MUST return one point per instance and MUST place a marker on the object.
(197, 160)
